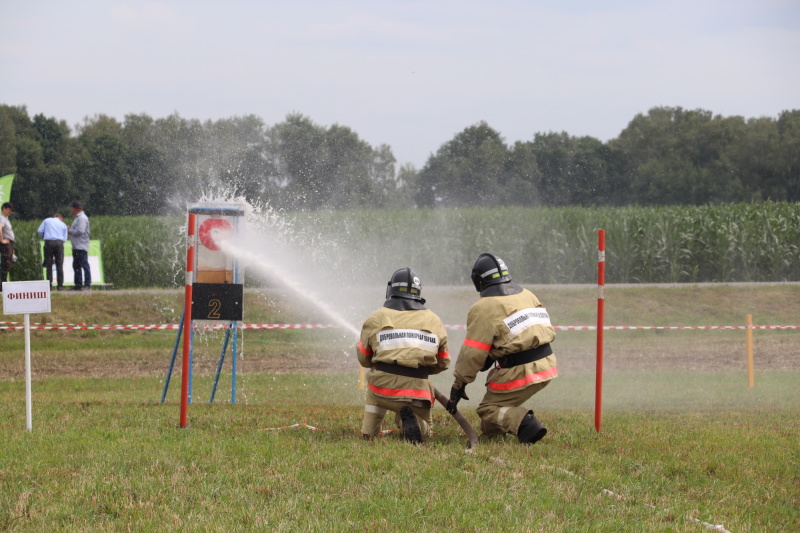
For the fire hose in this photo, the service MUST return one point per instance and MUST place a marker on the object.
(472, 437)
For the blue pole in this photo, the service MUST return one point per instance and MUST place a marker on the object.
(219, 365)
(233, 361)
(172, 360)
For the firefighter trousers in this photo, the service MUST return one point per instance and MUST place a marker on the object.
(502, 413)
(376, 407)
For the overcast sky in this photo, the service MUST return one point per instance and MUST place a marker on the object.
(410, 74)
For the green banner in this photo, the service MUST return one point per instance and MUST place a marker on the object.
(5, 188)
(95, 263)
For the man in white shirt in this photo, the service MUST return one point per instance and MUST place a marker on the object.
(54, 233)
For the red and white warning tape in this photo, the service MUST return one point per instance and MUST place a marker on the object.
(616, 328)
(45, 326)
(214, 326)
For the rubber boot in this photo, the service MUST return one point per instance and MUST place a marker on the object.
(530, 430)
(411, 431)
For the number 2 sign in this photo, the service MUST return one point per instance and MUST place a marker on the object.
(217, 301)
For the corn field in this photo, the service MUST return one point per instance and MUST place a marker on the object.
(719, 243)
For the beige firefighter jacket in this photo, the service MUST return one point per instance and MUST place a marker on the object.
(412, 338)
(502, 325)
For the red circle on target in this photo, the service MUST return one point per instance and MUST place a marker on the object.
(211, 229)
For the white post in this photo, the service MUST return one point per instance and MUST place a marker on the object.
(28, 402)
(24, 298)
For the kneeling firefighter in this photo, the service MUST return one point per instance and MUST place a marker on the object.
(510, 330)
(402, 343)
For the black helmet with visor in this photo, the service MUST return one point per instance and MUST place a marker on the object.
(489, 270)
(404, 284)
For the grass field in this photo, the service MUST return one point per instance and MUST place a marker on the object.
(685, 444)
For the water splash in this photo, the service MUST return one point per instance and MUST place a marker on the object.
(272, 271)
(271, 247)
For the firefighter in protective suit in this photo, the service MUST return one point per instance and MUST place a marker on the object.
(507, 329)
(402, 343)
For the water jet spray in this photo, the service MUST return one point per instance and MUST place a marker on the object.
(224, 247)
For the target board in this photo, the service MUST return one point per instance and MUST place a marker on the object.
(214, 230)
(215, 226)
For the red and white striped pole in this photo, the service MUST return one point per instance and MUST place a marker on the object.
(601, 297)
(187, 321)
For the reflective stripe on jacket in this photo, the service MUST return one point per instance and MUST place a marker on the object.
(411, 338)
(502, 325)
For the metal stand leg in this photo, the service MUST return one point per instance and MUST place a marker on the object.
(172, 360)
(221, 360)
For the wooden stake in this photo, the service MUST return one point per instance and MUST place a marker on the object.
(749, 348)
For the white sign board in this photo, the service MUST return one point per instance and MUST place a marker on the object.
(26, 297)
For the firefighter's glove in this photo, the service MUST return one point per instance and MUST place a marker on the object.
(455, 396)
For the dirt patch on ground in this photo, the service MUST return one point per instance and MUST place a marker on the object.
(779, 354)
(710, 357)
(141, 354)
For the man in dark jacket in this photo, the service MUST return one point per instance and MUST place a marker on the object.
(7, 256)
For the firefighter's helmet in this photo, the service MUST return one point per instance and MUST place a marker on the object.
(404, 284)
(489, 270)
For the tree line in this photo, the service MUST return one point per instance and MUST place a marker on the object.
(148, 166)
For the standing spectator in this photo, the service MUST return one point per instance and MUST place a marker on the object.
(7, 256)
(79, 235)
(54, 233)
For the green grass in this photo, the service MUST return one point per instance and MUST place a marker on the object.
(684, 440)
(104, 455)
